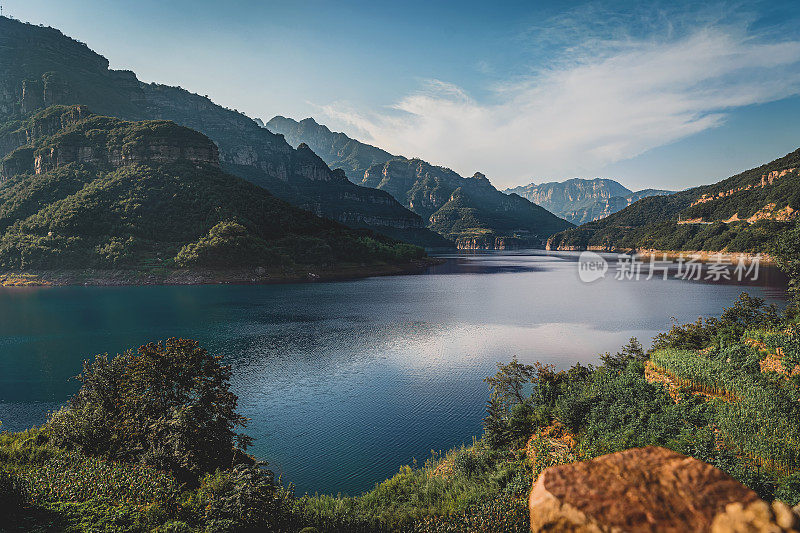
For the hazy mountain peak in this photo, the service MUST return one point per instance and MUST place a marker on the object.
(581, 200)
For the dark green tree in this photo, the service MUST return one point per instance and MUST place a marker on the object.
(168, 404)
(787, 255)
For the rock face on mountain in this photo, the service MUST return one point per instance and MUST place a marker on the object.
(743, 213)
(468, 210)
(94, 192)
(40, 67)
(62, 135)
(335, 148)
(582, 200)
(649, 490)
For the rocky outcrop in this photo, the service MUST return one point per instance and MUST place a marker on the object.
(64, 135)
(335, 148)
(40, 67)
(490, 242)
(42, 125)
(767, 179)
(156, 151)
(649, 490)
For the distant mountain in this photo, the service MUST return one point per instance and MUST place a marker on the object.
(336, 149)
(91, 192)
(582, 200)
(40, 67)
(743, 213)
(468, 210)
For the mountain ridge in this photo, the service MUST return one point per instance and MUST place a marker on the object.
(745, 212)
(96, 192)
(468, 210)
(581, 200)
(335, 148)
(42, 67)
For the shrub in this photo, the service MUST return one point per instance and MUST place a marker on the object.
(240, 499)
(168, 404)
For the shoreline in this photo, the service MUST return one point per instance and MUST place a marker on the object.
(240, 276)
(704, 255)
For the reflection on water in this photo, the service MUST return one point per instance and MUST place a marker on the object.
(344, 382)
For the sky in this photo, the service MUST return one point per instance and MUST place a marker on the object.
(656, 95)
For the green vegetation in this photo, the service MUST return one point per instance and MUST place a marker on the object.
(652, 223)
(166, 206)
(704, 390)
(60, 70)
(148, 444)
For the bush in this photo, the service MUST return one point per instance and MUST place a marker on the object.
(168, 405)
(241, 499)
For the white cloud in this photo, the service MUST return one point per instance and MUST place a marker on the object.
(599, 105)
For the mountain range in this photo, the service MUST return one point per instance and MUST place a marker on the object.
(743, 213)
(583, 200)
(40, 67)
(468, 210)
(86, 191)
(335, 148)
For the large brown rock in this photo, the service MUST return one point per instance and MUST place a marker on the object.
(648, 489)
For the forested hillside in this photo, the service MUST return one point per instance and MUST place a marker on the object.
(743, 213)
(40, 67)
(89, 191)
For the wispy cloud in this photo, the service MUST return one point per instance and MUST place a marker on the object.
(600, 101)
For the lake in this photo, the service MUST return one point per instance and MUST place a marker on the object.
(345, 382)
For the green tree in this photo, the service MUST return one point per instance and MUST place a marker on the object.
(632, 351)
(167, 404)
(787, 255)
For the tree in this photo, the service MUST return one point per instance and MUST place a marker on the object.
(632, 351)
(167, 404)
(787, 254)
(507, 392)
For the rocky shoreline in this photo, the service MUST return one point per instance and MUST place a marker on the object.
(242, 276)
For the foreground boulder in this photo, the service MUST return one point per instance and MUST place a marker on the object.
(650, 489)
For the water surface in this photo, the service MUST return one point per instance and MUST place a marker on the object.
(347, 381)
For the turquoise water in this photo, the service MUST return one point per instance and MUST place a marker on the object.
(345, 382)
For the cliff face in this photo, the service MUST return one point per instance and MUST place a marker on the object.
(63, 135)
(40, 67)
(335, 148)
(582, 200)
(468, 210)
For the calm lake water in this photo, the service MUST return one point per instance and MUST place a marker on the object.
(345, 382)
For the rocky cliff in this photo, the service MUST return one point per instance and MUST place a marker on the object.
(40, 67)
(468, 210)
(463, 209)
(582, 200)
(335, 148)
(62, 135)
(743, 213)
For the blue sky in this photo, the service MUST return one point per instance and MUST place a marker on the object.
(664, 95)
